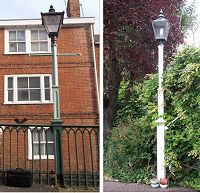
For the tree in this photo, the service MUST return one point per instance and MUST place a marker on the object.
(130, 50)
(189, 21)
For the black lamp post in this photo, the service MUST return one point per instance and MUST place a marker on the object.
(52, 22)
(161, 30)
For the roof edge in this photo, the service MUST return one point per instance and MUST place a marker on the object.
(36, 22)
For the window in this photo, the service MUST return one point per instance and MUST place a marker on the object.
(26, 41)
(39, 41)
(17, 41)
(41, 143)
(23, 89)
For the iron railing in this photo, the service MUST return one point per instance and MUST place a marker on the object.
(33, 147)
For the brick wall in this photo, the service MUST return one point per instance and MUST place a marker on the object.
(78, 101)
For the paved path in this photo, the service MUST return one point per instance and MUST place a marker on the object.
(44, 188)
(33, 188)
(133, 187)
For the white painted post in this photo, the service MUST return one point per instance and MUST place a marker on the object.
(161, 170)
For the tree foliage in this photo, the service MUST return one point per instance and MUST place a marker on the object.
(130, 50)
(189, 17)
(135, 142)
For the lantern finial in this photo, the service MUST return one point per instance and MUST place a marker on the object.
(51, 9)
(161, 15)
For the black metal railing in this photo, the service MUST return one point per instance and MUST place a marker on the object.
(34, 147)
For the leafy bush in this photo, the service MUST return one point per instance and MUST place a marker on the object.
(127, 153)
(130, 149)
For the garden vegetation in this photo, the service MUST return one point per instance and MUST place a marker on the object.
(130, 148)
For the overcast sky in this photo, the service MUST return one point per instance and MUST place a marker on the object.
(29, 9)
(196, 39)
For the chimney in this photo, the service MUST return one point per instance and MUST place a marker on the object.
(73, 8)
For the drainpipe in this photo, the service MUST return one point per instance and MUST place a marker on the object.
(95, 64)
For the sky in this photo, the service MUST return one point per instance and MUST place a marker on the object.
(196, 40)
(30, 9)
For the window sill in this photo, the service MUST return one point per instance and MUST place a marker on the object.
(50, 157)
(28, 103)
(29, 54)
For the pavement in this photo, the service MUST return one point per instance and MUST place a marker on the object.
(111, 186)
(33, 188)
(44, 188)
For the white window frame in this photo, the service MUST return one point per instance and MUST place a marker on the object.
(27, 41)
(15, 91)
(1, 129)
(36, 157)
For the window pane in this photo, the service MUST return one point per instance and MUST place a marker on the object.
(23, 95)
(12, 47)
(35, 149)
(34, 46)
(35, 95)
(43, 46)
(10, 82)
(10, 95)
(34, 34)
(21, 47)
(42, 149)
(47, 94)
(42, 136)
(35, 136)
(34, 82)
(22, 82)
(46, 82)
(50, 135)
(12, 35)
(21, 35)
(42, 35)
(50, 149)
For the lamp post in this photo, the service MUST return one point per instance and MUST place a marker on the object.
(161, 30)
(52, 22)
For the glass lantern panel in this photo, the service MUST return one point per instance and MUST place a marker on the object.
(52, 23)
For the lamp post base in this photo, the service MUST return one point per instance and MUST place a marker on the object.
(57, 131)
(161, 169)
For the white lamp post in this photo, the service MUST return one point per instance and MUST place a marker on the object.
(161, 29)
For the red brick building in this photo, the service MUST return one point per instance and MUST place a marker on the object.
(26, 82)
(20, 64)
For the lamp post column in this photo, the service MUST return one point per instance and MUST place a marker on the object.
(55, 87)
(52, 22)
(161, 170)
(57, 122)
